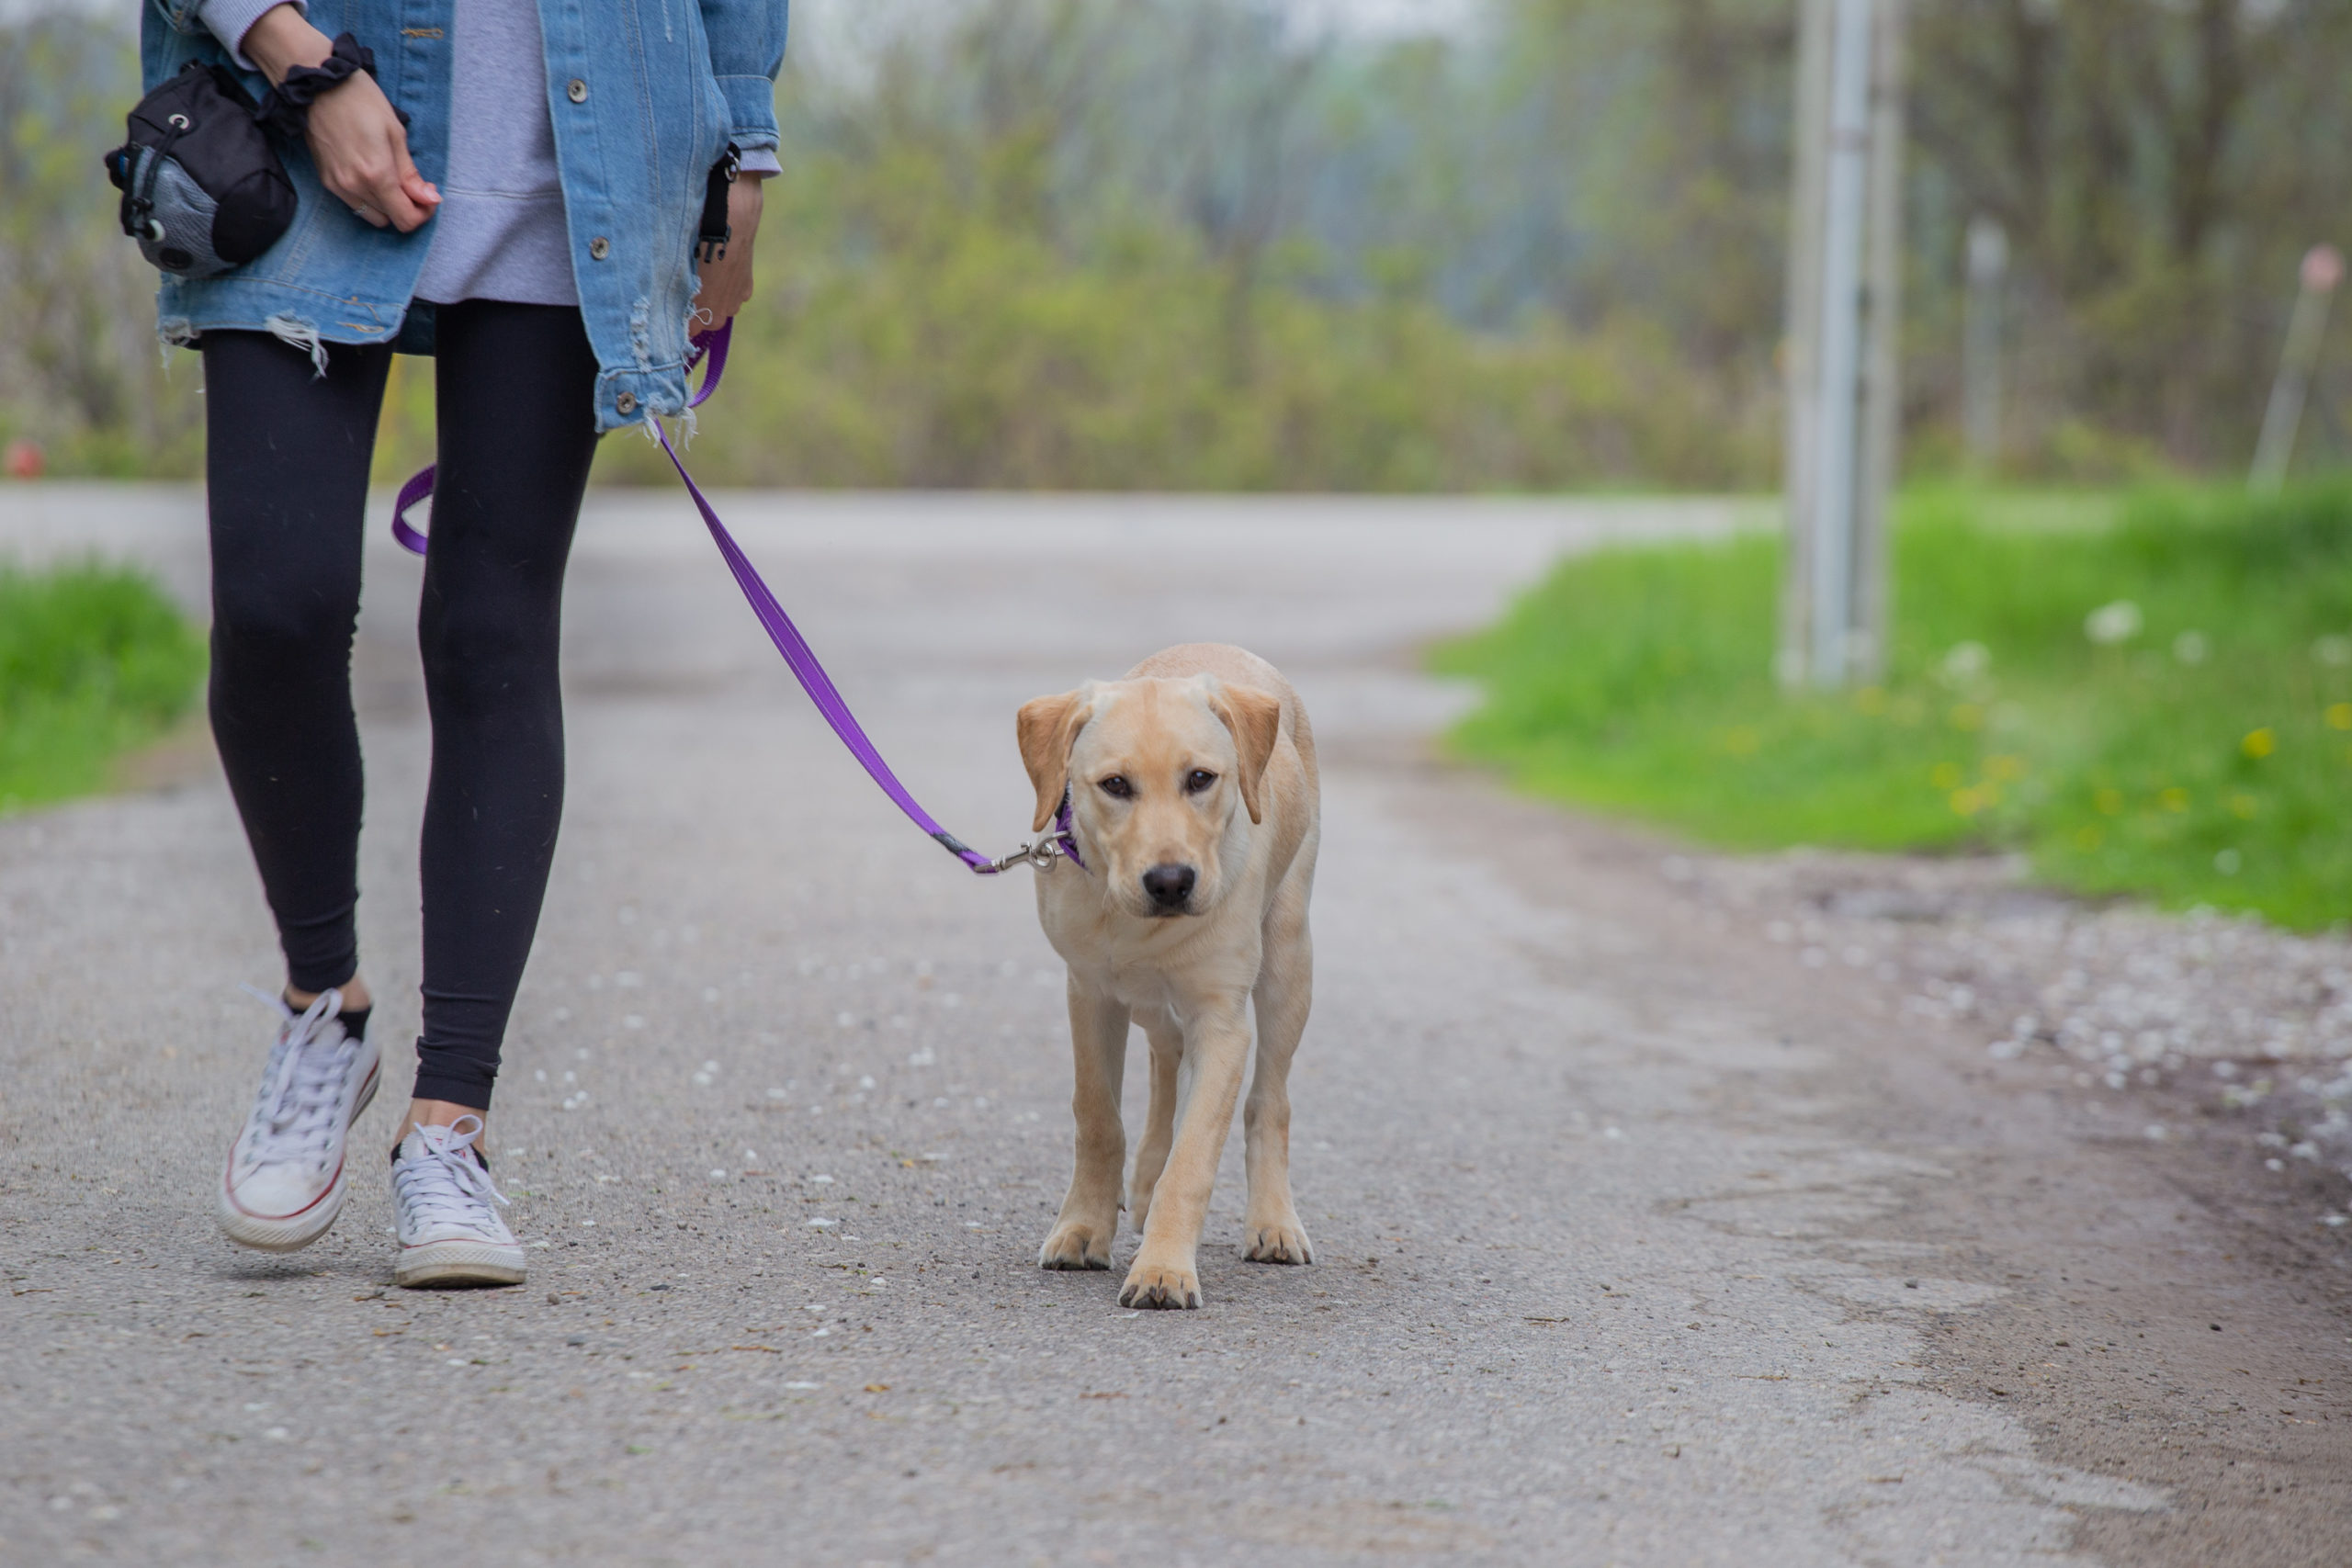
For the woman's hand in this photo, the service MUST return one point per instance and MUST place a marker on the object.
(727, 282)
(356, 139)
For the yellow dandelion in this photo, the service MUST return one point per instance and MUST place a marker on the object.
(2339, 716)
(1967, 802)
(2259, 743)
(2174, 799)
(1946, 776)
(2004, 769)
(2108, 802)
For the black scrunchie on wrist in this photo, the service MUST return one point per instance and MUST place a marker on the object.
(287, 109)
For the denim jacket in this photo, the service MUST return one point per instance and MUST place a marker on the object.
(645, 96)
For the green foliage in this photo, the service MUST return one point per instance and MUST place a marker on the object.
(1093, 245)
(1206, 244)
(92, 660)
(2202, 755)
(974, 353)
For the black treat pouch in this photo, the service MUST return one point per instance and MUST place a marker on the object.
(202, 189)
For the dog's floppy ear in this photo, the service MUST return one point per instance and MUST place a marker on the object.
(1048, 727)
(1256, 719)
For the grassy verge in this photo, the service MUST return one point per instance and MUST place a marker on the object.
(93, 662)
(2152, 696)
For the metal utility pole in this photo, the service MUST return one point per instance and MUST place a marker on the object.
(1844, 267)
(2323, 270)
(1980, 342)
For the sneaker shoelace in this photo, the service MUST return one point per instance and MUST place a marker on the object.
(301, 1093)
(443, 1183)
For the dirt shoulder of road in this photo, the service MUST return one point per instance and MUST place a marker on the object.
(2170, 1312)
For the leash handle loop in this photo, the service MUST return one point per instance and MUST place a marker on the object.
(707, 350)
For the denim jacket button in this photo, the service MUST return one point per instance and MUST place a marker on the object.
(625, 403)
(577, 92)
(599, 248)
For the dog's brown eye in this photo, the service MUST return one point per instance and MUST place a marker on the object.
(1116, 787)
(1198, 780)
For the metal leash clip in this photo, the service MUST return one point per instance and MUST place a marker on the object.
(1040, 854)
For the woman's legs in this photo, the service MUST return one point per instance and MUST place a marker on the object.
(285, 468)
(517, 433)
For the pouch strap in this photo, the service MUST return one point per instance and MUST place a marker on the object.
(710, 239)
(139, 192)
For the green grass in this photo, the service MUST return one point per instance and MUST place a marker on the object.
(2206, 759)
(94, 661)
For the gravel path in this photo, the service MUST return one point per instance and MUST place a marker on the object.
(1641, 1238)
(2204, 1016)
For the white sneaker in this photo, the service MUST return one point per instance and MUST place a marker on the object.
(285, 1182)
(449, 1233)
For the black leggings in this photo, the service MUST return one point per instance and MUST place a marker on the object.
(286, 463)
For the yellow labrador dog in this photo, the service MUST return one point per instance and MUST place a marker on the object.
(1194, 806)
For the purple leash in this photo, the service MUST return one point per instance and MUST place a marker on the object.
(788, 642)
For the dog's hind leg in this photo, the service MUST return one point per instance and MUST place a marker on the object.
(1271, 1231)
(1090, 1218)
(1167, 1039)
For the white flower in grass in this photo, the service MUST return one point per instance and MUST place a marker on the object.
(2112, 624)
(1967, 664)
(2191, 648)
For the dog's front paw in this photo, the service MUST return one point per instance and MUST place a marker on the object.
(1076, 1245)
(1277, 1242)
(1156, 1285)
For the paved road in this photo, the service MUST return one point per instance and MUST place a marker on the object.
(1635, 1243)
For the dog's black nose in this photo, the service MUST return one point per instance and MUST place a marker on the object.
(1168, 885)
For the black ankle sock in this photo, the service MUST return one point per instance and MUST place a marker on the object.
(354, 1019)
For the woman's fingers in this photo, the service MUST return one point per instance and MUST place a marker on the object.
(405, 196)
(726, 286)
(415, 187)
(388, 198)
(388, 195)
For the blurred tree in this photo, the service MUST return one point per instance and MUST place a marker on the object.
(1671, 125)
(84, 379)
(2160, 166)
